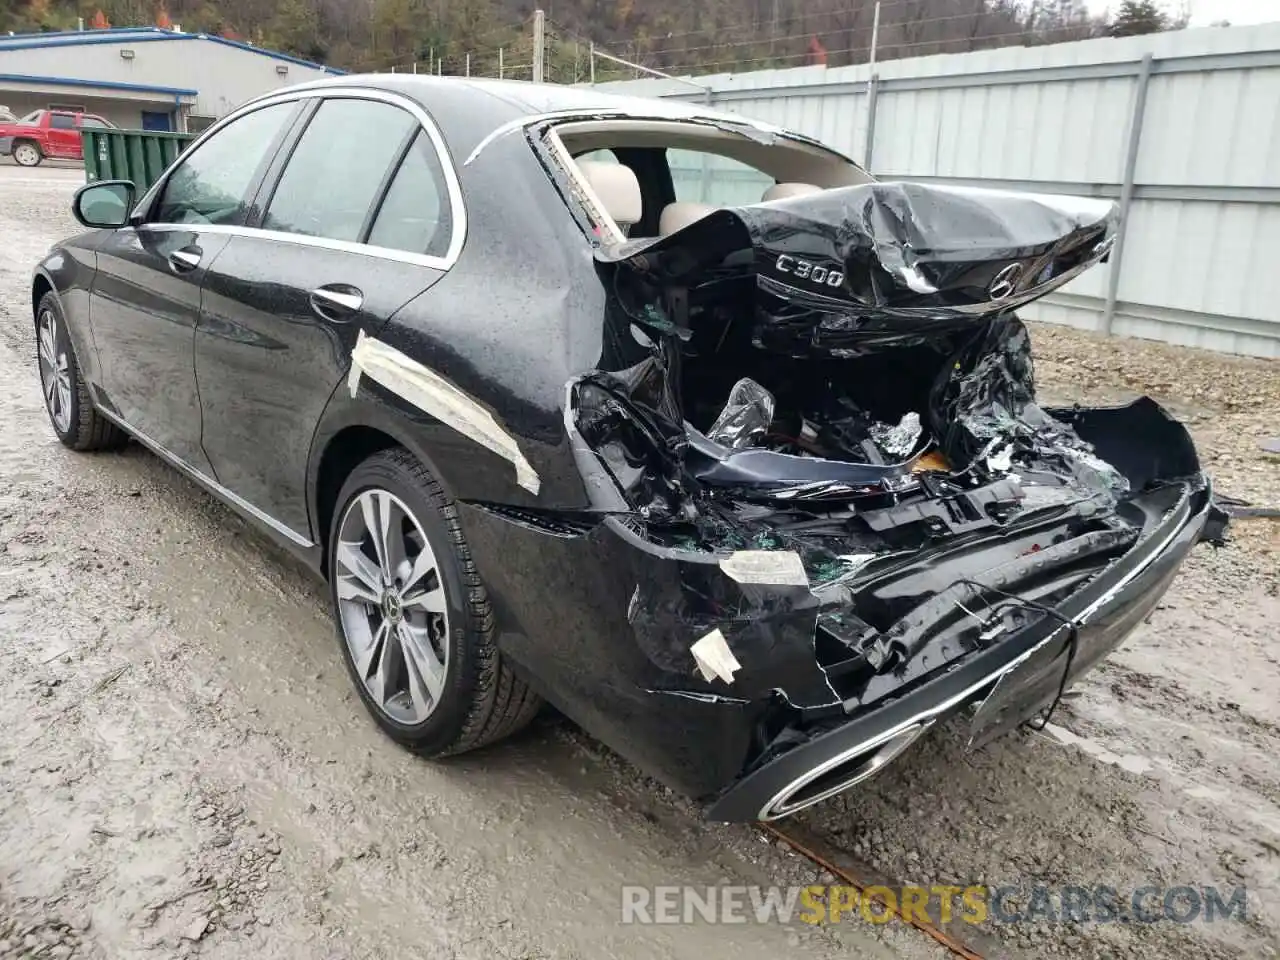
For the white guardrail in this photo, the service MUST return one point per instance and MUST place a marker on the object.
(1181, 128)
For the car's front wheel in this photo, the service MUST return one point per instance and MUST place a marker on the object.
(417, 630)
(27, 154)
(66, 397)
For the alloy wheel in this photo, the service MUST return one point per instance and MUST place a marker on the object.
(392, 606)
(55, 377)
(26, 155)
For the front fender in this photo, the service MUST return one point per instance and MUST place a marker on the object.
(68, 270)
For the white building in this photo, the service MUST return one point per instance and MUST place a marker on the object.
(142, 77)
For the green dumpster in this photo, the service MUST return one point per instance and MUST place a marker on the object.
(137, 155)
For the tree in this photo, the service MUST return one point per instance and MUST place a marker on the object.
(395, 25)
(294, 28)
(1137, 17)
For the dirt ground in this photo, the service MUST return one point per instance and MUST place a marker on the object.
(184, 770)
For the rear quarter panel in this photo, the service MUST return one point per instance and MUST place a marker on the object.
(516, 317)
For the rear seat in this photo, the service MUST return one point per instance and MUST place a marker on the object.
(678, 215)
(618, 190)
(782, 191)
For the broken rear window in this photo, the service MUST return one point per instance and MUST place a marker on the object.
(679, 171)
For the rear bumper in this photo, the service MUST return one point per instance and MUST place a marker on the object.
(1013, 679)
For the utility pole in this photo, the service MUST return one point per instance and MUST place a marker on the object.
(500, 68)
(539, 43)
(875, 35)
(592, 54)
(468, 67)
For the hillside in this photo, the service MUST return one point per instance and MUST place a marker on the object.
(666, 34)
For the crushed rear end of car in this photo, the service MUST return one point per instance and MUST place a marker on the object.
(849, 512)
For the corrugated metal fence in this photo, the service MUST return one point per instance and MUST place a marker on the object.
(1183, 129)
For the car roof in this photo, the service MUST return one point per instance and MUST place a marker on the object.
(520, 98)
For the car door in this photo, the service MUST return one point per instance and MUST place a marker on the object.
(63, 136)
(357, 223)
(147, 289)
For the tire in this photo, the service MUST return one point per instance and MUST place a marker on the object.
(27, 154)
(75, 420)
(435, 682)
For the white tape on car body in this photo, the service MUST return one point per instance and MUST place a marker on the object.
(778, 567)
(431, 393)
(714, 658)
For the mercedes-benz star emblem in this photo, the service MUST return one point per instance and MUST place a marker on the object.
(1005, 282)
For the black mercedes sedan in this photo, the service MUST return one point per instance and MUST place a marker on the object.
(679, 421)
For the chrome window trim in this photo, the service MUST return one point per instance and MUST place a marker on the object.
(457, 207)
(635, 111)
(211, 485)
(595, 207)
(301, 239)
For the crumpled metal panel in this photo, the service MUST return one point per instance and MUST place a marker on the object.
(852, 268)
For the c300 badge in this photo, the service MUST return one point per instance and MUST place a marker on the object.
(804, 270)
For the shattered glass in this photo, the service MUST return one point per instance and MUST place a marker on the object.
(986, 408)
(898, 440)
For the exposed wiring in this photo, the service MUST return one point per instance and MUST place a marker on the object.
(1073, 637)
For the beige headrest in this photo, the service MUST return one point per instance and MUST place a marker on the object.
(678, 215)
(618, 189)
(781, 191)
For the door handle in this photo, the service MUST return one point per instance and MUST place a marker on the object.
(336, 301)
(188, 258)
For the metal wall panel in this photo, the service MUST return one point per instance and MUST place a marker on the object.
(225, 76)
(1203, 226)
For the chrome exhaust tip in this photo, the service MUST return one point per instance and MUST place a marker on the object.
(841, 772)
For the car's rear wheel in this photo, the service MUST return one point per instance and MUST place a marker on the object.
(27, 154)
(416, 626)
(66, 398)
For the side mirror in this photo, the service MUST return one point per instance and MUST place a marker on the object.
(104, 204)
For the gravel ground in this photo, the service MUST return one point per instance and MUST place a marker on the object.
(185, 771)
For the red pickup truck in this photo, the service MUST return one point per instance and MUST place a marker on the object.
(46, 133)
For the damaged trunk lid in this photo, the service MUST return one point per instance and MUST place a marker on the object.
(845, 270)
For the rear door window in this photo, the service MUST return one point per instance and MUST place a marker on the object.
(415, 215)
(62, 121)
(338, 169)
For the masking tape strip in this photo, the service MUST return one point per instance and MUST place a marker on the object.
(777, 567)
(714, 658)
(433, 394)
